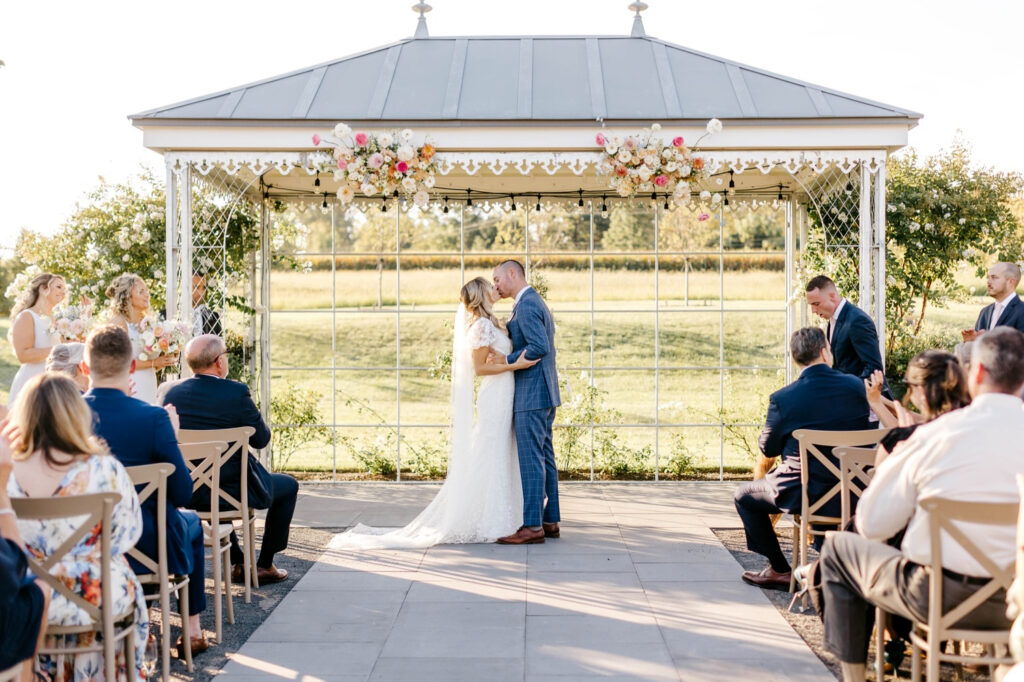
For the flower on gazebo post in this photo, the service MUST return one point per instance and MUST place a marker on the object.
(646, 162)
(382, 164)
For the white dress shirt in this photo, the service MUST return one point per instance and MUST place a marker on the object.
(971, 454)
(1000, 307)
(515, 301)
(832, 320)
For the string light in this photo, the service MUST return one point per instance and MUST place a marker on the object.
(445, 209)
(666, 202)
(726, 201)
(580, 202)
(732, 183)
(604, 204)
(654, 196)
(316, 183)
(383, 205)
(469, 199)
(780, 193)
(849, 187)
(538, 202)
(324, 205)
(513, 198)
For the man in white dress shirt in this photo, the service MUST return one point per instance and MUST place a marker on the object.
(972, 454)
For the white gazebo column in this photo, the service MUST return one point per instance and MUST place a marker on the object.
(880, 277)
(171, 243)
(865, 230)
(184, 311)
(264, 312)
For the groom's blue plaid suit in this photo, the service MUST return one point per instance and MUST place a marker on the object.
(532, 330)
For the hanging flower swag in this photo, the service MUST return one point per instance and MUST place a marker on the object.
(382, 163)
(646, 163)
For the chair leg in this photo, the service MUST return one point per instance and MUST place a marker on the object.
(934, 648)
(880, 621)
(129, 654)
(254, 578)
(186, 629)
(796, 555)
(227, 584)
(915, 663)
(165, 632)
(247, 562)
(217, 577)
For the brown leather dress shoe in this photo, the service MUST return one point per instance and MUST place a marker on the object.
(269, 576)
(197, 644)
(237, 576)
(551, 530)
(768, 578)
(523, 536)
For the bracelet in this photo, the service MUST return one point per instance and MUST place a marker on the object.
(6, 510)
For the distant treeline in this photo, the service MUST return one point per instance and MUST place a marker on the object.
(775, 262)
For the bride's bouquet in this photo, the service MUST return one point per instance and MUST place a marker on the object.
(162, 337)
(71, 322)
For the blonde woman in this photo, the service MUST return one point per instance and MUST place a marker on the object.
(482, 497)
(129, 303)
(56, 454)
(30, 334)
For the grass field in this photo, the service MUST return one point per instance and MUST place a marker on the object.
(719, 345)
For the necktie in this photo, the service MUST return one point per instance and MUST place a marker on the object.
(995, 315)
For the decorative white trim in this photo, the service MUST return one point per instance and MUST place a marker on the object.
(541, 163)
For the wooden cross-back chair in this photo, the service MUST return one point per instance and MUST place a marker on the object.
(96, 509)
(153, 479)
(204, 462)
(232, 509)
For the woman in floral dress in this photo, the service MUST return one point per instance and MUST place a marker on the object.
(56, 454)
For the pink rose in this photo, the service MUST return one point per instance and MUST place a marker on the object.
(342, 164)
(376, 160)
(601, 141)
(677, 141)
(401, 166)
(661, 180)
(361, 139)
(703, 216)
(630, 143)
(316, 140)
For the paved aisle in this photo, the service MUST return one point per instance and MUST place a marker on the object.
(638, 588)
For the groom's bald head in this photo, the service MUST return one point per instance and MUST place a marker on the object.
(509, 278)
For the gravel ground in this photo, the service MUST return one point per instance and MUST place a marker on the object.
(806, 623)
(305, 545)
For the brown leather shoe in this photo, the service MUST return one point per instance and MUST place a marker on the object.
(768, 579)
(523, 536)
(237, 576)
(269, 576)
(551, 530)
(197, 644)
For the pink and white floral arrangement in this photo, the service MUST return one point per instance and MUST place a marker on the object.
(160, 337)
(71, 322)
(646, 162)
(379, 164)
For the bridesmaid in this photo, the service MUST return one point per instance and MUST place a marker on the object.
(30, 332)
(129, 303)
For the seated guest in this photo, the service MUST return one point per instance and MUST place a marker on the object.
(57, 455)
(66, 358)
(23, 601)
(821, 398)
(1007, 310)
(138, 433)
(209, 400)
(972, 454)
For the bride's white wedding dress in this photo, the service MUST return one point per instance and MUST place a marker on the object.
(482, 497)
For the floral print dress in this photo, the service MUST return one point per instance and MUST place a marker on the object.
(80, 568)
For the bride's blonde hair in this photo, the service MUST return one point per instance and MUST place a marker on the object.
(474, 296)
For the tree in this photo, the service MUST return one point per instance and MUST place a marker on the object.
(942, 212)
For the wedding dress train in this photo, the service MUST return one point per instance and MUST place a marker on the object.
(482, 496)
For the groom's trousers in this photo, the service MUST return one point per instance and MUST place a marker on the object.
(537, 466)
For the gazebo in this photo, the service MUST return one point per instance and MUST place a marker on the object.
(514, 120)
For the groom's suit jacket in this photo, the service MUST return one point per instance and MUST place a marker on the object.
(532, 330)
(855, 345)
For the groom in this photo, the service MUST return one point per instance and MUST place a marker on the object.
(532, 331)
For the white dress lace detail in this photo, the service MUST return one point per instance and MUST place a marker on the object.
(145, 379)
(482, 497)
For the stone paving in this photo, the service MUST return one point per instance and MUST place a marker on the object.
(637, 588)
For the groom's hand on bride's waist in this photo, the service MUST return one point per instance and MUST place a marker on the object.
(496, 359)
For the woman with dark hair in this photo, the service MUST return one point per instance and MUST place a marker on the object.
(936, 384)
(30, 334)
(56, 454)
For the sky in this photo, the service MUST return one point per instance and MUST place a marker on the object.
(74, 71)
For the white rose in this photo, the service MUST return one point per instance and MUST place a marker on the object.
(368, 189)
(421, 198)
(714, 126)
(385, 139)
(705, 195)
(341, 130)
(644, 173)
(611, 149)
(656, 127)
(409, 185)
(962, 221)
(685, 170)
(148, 337)
(406, 134)
(715, 198)
(671, 167)
(406, 153)
(623, 156)
(356, 163)
(345, 194)
(428, 182)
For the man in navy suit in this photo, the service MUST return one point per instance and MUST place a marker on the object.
(139, 434)
(209, 400)
(1007, 311)
(851, 333)
(821, 398)
(532, 331)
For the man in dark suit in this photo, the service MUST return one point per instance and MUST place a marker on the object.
(204, 320)
(821, 398)
(1007, 310)
(139, 434)
(209, 400)
(851, 333)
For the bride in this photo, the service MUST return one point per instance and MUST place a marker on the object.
(482, 497)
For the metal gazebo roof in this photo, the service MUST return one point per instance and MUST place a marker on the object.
(527, 78)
